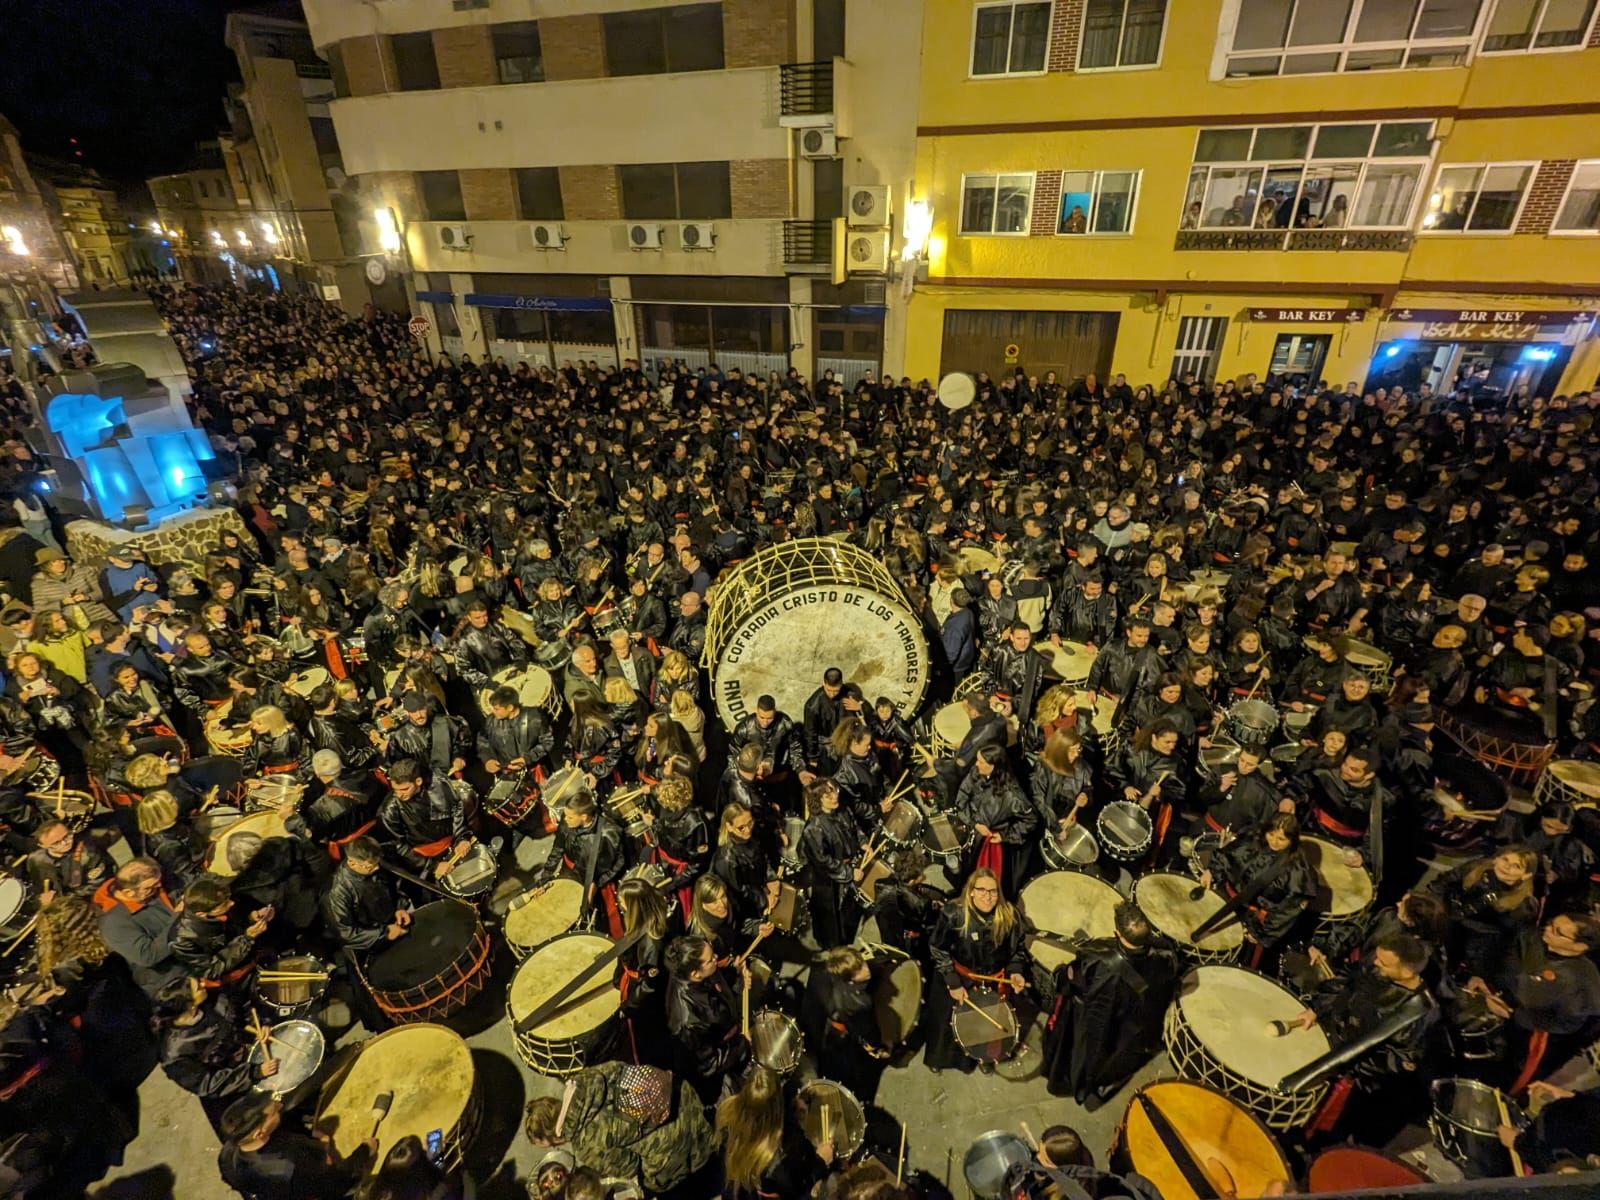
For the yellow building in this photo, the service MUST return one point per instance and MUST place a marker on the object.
(1316, 188)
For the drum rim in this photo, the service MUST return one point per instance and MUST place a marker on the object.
(1015, 1034)
(263, 1085)
(854, 1099)
(1188, 1028)
(479, 939)
(1334, 913)
(1513, 1110)
(565, 884)
(1120, 806)
(1244, 1110)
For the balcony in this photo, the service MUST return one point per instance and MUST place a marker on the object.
(1294, 239)
(808, 246)
(806, 94)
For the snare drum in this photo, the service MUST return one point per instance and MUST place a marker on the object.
(298, 1046)
(990, 1159)
(902, 826)
(1067, 905)
(473, 877)
(293, 997)
(896, 992)
(1125, 830)
(875, 873)
(510, 799)
(1069, 849)
(560, 787)
(628, 808)
(1069, 662)
(231, 742)
(1377, 665)
(75, 810)
(986, 1026)
(1217, 759)
(946, 837)
(950, 725)
(1252, 723)
(847, 1120)
(579, 1031)
(1465, 1124)
(1213, 1128)
(1344, 892)
(272, 791)
(1164, 898)
(263, 824)
(537, 916)
(1567, 779)
(1296, 723)
(787, 909)
(775, 1041)
(427, 1069)
(1218, 1032)
(534, 687)
(435, 969)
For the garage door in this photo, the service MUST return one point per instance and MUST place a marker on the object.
(1072, 344)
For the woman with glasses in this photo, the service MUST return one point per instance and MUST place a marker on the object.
(978, 943)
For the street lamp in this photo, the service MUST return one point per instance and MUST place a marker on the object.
(388, 230)
(15, 242)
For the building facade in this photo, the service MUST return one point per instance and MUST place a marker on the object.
(205, 222)
(614, 179)
(31, 241)
(1366, 191)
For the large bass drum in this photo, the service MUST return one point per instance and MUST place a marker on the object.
(1220, 1136)
(783, 616)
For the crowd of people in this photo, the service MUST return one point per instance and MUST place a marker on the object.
(1210, 628)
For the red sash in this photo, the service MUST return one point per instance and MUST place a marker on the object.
(434, 849)
(1333, 825)
(283, 769)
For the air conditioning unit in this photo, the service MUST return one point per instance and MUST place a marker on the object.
(698, 235)
(866, 250)
(548, 236)
(867, 206)
(819, 143)
(455, 237)
(644, 236)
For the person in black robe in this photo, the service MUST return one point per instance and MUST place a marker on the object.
(1269, 871)
(979, 940)
(993, 805)
(830, 846)
(840, 1022)
(704, 1016)
(641, 976)
(204, 1049)
(906, 904)
(266, 1160)
(1111, 1002)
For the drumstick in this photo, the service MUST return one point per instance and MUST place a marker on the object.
(17, 941)
(967, 1000)
(290, 976)
(827, 1122)
(1505, 1119)
(18, 861)
(61, 795)
(561, 788)
(750, 949)
(900, 1161)
(1260, 678)
(1027, 1134)
(744, 1011)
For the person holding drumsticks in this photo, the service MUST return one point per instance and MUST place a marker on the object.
(1005, 824)
(979, 940)
(1267, 875)
(704, 1016)
(426, 817)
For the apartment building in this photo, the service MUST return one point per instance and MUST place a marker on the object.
(1379, 191)
(31, 242)
(611, 179)
(91, 219)
(203, 216)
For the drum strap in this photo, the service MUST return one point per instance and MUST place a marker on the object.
(1172, 1142)
(539, 1015)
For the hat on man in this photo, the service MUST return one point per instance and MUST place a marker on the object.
(46, 555)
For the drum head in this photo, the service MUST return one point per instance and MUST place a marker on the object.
(291, 993)
(440, 933)
(1125, 829)
(896, 993)
(1353, 1168)
(903, 821)
(427, 1069)
(989, 1160)
(550, 968)
(264, 824)
(307, 681)
(1164, 898)
(847, 1122)
(986, 1028)
(13, 893)
(1212, 1127)
(1105, 709)
(1064, 903)
(1072, 847)
(952, 723)
(533, 684)
(775, 1040)
(1342, 890)
(298, 1047)
(1581, 777)
(1070, 661)
(1228, 1009)
(561, 787)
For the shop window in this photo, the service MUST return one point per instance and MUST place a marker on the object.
(1301, 37)
(1580, 210)
(1299, 355)
(998, 204)
(1538, 25)
(1010, 39)
(1097, 201)
(1121, 33)
(1477, 198)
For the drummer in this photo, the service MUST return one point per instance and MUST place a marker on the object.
(979, 941)
(1241, 799)
(426, 817)
(677, 838)
(266, 1160)
(1350, 709)
(831, 847)
(1061, 782)
(590, 848)
(276, 747)
(1019, 669)
(1267, 879)
(516, 742)
(204, 1049)
(703, 1015)
(362, 908)
(840, 1022)
(1005, 825)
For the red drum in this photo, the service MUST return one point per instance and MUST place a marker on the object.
(1354, 1168)
(436, 969)
(1517, 750)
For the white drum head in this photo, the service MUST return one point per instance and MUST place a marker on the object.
(1164, 897)
(1342, 890)
(1063, 902)
(1227, 1009)
(428, 1070)
(957, 390)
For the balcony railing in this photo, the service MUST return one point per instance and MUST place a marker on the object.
(807, 88)
(1293, 239)
(808, 244)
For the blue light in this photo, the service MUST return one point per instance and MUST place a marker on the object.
(1538, 353)
(177, 476)
(1390, 351)
(43, 485)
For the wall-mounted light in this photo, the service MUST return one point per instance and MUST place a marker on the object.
(15, 242)
(155, 228)
(388, 229)
(268, 234)
(244, 239)
(918, 224)
(217, 239)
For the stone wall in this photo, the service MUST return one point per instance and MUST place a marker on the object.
(184, 538)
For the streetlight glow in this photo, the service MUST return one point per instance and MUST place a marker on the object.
(388, 229)
(15, 242)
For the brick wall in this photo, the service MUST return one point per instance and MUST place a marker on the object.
(490, 194)
(1066, 26)
(757, 33)
(465, 55)
(398, 190)
(1544, 195)
(573, 47)
(1046, 200)
(759, 187)
(591, 193)
(1594, 36)
(367, 63)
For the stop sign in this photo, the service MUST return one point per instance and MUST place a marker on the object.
(419, 326)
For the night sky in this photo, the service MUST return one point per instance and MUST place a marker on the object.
(137, 82)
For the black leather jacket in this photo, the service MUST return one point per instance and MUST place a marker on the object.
(780, 742)
(198, 680)
(482, 652)
(525, 735)
(360, 908)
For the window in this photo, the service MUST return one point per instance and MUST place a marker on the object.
(1199, 347)
(1580, 211)
(1537, 25)
(685, 37)
(1307, 37)
(1477, 198)
(1359, 176)
(415, 67)
(996, 203)
(1010, 39)
(441, 196)
(204, 194)
(1121, 33)
(1097, 201)
(517, 55)
(665, 191)
(539, 194)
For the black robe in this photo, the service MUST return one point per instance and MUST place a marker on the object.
(976, 950)
(1107, 1019)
